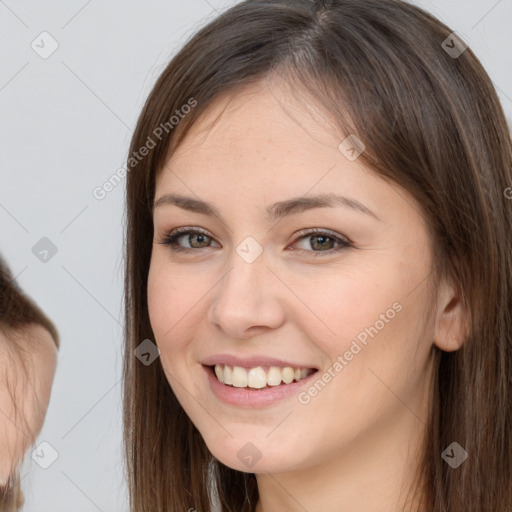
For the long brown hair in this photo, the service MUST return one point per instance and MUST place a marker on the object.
(431, 122)
(17, 311)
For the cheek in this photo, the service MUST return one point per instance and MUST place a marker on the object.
(366, 316)
(175, 308)
(339, 305)
(168, 297)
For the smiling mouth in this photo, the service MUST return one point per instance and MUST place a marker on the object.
(259, 377)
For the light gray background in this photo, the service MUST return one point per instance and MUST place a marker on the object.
(65, 126)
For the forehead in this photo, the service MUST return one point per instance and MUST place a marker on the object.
(263, 132)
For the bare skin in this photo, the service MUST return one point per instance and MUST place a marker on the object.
(24, 392)
(364, 430)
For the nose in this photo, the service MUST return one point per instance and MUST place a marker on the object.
(247, 299)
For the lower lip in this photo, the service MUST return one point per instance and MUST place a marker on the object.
(254, 397)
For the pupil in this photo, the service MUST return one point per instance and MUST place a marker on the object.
(323, 240)
(200, 238)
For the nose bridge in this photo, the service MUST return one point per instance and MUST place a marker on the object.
(247, 269)
(243, 297)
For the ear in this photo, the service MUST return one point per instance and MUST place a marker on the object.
(451, 318)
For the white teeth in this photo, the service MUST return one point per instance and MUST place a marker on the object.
(239, 377)
(274, 376)
(257, 377)
(228, 375)
(288, 375)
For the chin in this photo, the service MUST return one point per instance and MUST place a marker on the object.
(241, 454)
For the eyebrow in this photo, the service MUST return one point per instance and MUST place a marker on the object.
(275, 211)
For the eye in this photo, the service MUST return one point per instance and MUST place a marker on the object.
(198, 238)
(324, 240)
(191, 235)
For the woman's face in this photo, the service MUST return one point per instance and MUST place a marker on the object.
(257, 288)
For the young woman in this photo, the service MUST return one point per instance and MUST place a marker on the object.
(28, 358)
(319, 269)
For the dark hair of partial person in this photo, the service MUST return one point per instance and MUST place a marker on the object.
(17, 310)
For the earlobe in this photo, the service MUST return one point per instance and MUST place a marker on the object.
(451, 319)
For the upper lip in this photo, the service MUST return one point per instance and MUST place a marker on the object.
(251, 361)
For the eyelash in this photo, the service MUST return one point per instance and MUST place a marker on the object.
(171, 238)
